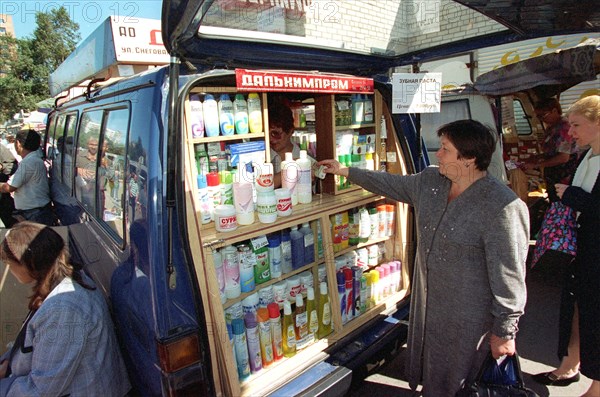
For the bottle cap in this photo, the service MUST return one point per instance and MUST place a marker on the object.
(303, 155)
(263, 314)
(201, 181)
(239, 97)
(310, 293)
(225, 97)
(274, 240)
(250, 320)
(212, 179)
(288, 156)
(273, 310)
(237, 324)
(287, 308)
(305, 224)
(253, 95)
(299, 301)
(209, 97)
(323, 288)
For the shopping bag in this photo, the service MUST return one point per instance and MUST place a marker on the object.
(558, 232)
(497, 380)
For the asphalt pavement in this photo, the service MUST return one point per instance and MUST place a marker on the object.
(536, 343)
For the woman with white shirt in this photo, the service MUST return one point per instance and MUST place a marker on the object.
(579, 338)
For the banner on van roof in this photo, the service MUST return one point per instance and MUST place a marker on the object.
(271, 81)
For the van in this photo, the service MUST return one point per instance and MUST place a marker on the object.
(128, 164)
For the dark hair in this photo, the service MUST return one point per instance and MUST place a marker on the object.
(29, 139)
(548, 104)
(472, 140)
(280, 115)
(43, 252)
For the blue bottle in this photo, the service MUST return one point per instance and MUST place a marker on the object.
(286, 252)
(309, 243)
(297, 248)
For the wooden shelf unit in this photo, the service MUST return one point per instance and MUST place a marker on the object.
(204, 239)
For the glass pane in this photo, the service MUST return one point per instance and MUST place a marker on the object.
(112, 168)
(521, 119)
(86, 159)
(67, 171)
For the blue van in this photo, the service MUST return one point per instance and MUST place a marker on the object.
(127, 168)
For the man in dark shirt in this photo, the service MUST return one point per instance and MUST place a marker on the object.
(8, 166)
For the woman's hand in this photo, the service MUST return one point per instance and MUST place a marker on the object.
(333, 167)
(3, 369)
(560, 189)
(501, 347)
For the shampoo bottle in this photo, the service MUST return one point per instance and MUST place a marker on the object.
(254, 113)
(276, 335)
(211, 116)
(304, 185)
(226, 119)
(311, 310)
(240, 111)
(289, 177)
(289, 334)
(324, 312)
(297, 239)
(300, 320)
(309, 243)
(196, 116)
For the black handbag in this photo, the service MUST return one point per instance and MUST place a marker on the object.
(495, 380)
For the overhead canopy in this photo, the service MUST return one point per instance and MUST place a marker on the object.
(379, 34)
(547, 75)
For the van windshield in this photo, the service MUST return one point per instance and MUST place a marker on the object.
(383, 27)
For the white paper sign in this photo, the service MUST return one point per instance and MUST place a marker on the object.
(416, 92)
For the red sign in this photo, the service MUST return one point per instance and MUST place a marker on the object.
(269, 81)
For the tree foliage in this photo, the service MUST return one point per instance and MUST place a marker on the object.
(26, 64)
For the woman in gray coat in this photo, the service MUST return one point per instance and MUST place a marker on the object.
(468, 289)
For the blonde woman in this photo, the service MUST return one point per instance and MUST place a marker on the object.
(579, 338)
(67, 344)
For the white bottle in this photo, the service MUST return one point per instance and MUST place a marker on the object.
(304, 185)
(368, 109)
(264, 178)
(196, 116)
(205, 201)
(240, 111)
(255, 123)
(289, 177)
(226, 119)
(266, 206)
(211, 116)
(242, 196)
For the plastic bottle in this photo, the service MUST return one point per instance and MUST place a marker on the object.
(302, 119)
(218, 262)
(242, 196)
(289, 334)
(364, 230)
(262, 269)
(214, 191)
(324, 312)
(240, 111)
(264, 178)
(253, 339)
(196, 116)
(241, 348)
(254, 113)
(289, 177)
(276, 335)
(300, 320)
(350, 312)
(226, 120)
(320, 251)
(311, 310)
(231, 269)
(382, 145)
(374, 232)
(266, 343)
(309, 243)
(226, 188)
(205, 202)
(297, 239)
(286, 252)
(353, 226)
(368, 109)
(363, 294)
(304, 185)
(275, 255)
(358, 111)
(211, 116)
(247, 261)
(341, 284)
(266, 206)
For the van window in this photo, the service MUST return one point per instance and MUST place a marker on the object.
(66, 169)
(87, 159)
(99, 165)
(430, 122)
(112, 167)
(522, 121)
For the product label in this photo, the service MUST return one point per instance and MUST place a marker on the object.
(291, 336)
(301, 324)
(313, 325)
(259, 242)
(326, 314)
(227, 222)
(266, 209)
(265, 180)
(309, 240)
(284, 204)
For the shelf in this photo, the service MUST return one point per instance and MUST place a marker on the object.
(361, 245)
(221, 138)
(321, 204)
(354, 126)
